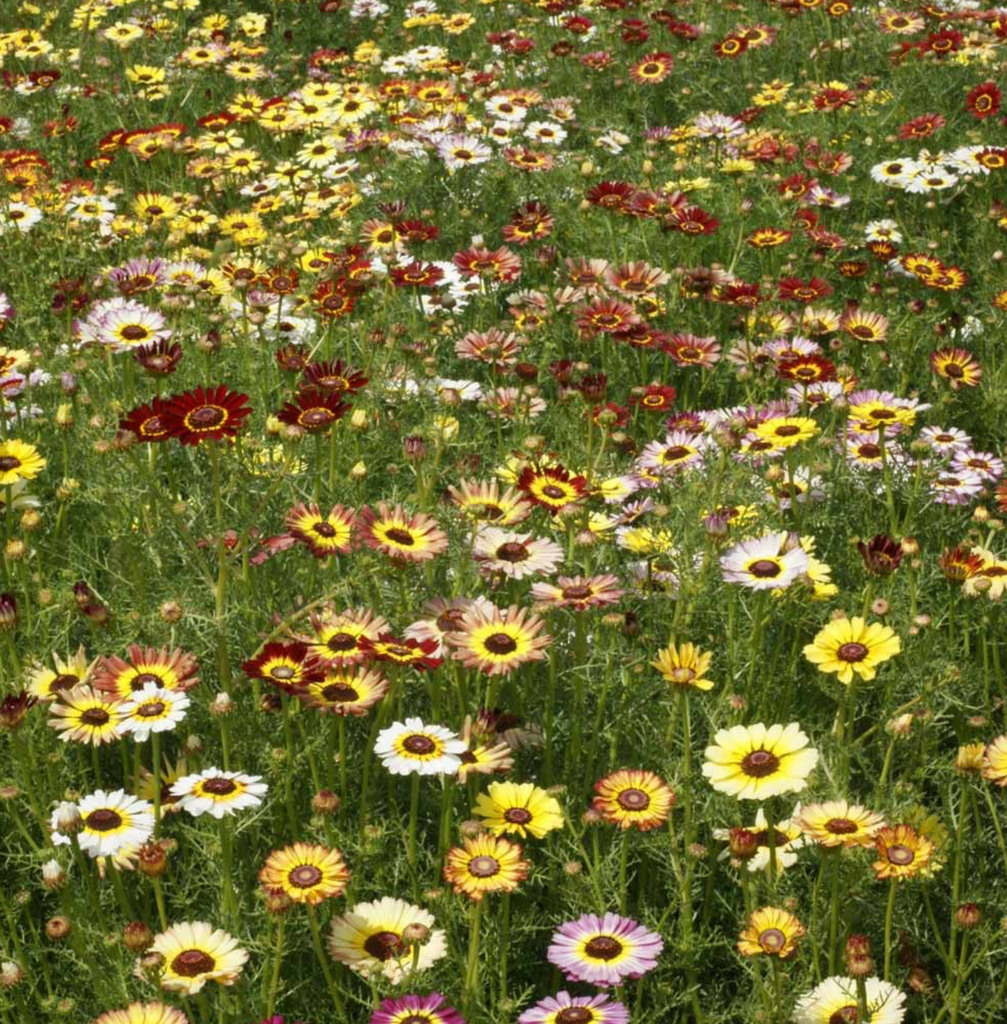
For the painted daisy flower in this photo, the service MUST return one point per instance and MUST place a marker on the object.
(497, 642)
(515, 555)
(995, 762)
(412, 747)
(444, 615)
(846, 646)
(428, 1009)
(604, 951)
(902, 852)
(218, 793)
(153, 709)
(680, 450)
(369, 939)
(194, 953)
(344, 691)
(86, 715)
(485, 864)
(771, 931)
(19, 461)
(684, 665)
(767, 563)
(633, 798)
(483, 502)
(568, 1009)
(578, 593)
(839, 823)
(287, 666)
(143, 1013)
(337, 635)
(518, 807)
(306, 872)
(206, 414)
(324, 535)
(400, 535)
(47, 683)
(755, 762)
(835, 999)
(170, 670)
(110, 822)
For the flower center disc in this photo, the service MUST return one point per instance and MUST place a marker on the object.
(8, 462)
(840, 826)
(403, 537)
(633, 800)
(900, 855)
(207, 416)
(772, 940)
(853, 652)
(603, 947)
(219, 787)
(517, 816)
(760, 763)
(512, 551)
(500, 643)
(418, 744)
(339, 693)
(325, 529)
(844, 1015)
(484, 867)
(192, 962)
(305, 876)
(764, 569)
(94, 716)
(103, 820)
(151, 710)
(574, 1015)
(384, 945)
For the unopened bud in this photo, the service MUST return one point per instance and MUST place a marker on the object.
(58, 927)
(325, 802)
(968, 915)
(137, 937)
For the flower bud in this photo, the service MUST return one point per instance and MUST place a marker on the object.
(11, 974)
(325, 802)
(58, 927)
(170, 611)
(64, 416)
(277, 901)
(415, 933)
(968, 915)
(53, 875)
(152, 859)
(137, 937)
(68, 819)
(222, 704)
(8, 613)
(743, 842)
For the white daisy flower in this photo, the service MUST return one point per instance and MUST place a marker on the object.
(112, 821)
(153, 709)
(764, 563)
(218, 793)
(405, 748)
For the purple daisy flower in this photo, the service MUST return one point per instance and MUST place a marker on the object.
(428, 1009)
(279, 1019)
(568, 1009)
(604, 951)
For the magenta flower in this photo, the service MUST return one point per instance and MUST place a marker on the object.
(568, 1009)
(428, 1009)
(604, 951)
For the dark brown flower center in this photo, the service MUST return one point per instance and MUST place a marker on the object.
(340, 693)
(316, 417)
(63, 682)
(403, 537)
(676, 452)
(577, 592)
(384, 945)
(151, 709)
(552, 491)
(103, 820)
(139, 681)
(419, 744)
(870, 451)
(772, 940)
(341, 642)
(207, 416)
(8, 462)
(574, 1015)
(324, 529)
(760, 763)
(450, 619)
(193, 962)
(765, 569)
(787, 430)
(95, 716)
(512, 551)
(219, 786)
(305, 876)
(484, 867)
(900, 855)
(853, 652)
(633, 800)
(844, 1015)
(500, 643)
(603, 947)
(134, 332)
(841, 826)
(517, 815)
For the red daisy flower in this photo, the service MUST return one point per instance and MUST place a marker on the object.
(313, 410)
(418, 653)
(288, 666)
(334, 377)
(416, 275)
(655, 398)
(206, 414)
(553, 488)
(983, 100)
(149, 421)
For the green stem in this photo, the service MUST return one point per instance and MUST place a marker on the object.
(316, 940)
(889, 914)
(274, 976)
(472, 963)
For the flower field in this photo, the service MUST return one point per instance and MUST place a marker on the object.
(501, 512)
